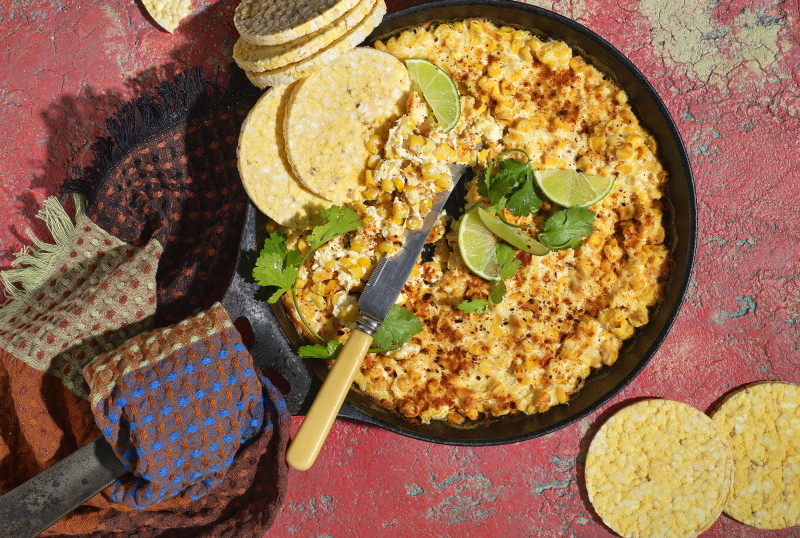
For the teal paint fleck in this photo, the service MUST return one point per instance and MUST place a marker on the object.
(746, 304)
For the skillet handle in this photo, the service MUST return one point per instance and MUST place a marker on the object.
(315, 427)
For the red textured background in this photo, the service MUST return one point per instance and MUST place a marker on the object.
(729, 74)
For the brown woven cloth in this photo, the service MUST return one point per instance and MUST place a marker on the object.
(164, 209)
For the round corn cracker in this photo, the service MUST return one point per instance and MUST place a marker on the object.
(265, 171)
(762, 425)
(272, 22)
(168, 13)
(658, 468)
(332, 114)
(258, 58)
(304, 68)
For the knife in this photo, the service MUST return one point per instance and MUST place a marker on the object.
(378, 297)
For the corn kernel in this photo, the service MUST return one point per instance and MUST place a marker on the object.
(399, 184)
(524, 125)
(624, 153)
(425, 206)
(386, 247)
(401, 299)
(624, 169)
(373, 160)
(561, 395)
(350, 313)
(371, 193)
(443, 181)
(319, 301)
(387, 185)
(383, 210)
(486, 367)
(413, 224)
(319, 288)
(380, 45)
(374, 144)
(441, 152)
(399, 212)
(415, 272)
(302, 245)
(525, 54)
(415, 143)
(429, 172)
(330, 264)
(384, 197)
(494, 69)
(301, 282)
(364, 262)
(271, 226)
(597, 143)
(516, 45)
(356, 271)
(370, 179)
(357, 246)
(476, 27)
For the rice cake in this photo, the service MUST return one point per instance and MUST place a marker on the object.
(304, 68)
(168, 13)
(265, 171)
(659, 468)
(332, 114)
(258, 58)
(273, 22)
(762, 425)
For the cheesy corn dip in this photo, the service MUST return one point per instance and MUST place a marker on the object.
(565, 313)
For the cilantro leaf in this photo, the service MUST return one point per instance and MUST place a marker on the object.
(397, 329)
(505, 259)
(329, 351)
(276, 266)
(510, 186)
(497, 292)
(525, 201)
(476, 305)
(566, 228)
(335, 222)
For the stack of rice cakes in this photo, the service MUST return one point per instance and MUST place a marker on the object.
(283, 41)
(303, 145)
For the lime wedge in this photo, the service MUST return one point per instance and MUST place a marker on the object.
(513, 236)
(439, 91)
(476, 243)
(570, 188)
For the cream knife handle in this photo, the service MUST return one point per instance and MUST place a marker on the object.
(315, 427)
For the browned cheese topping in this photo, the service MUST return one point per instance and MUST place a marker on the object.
(565, 313)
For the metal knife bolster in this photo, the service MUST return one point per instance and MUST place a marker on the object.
(392, 272)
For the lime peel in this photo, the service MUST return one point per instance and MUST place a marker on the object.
(476, 243)
(439, 91)
(570, 188)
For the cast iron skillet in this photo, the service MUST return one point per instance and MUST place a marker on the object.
(276, 339)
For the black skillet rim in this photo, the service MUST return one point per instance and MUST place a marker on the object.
(359, 407)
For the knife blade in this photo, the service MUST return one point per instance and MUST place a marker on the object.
(378, 297)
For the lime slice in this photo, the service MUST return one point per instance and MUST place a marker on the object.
(570, 188)
(513, 236)
(439, 91)
(476, 243)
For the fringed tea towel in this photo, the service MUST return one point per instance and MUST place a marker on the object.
(164, 204)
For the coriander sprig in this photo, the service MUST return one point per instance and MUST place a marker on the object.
(278, 267)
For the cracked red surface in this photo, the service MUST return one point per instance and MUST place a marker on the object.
(729, 76)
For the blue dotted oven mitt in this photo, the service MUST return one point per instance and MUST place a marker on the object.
(176, 404)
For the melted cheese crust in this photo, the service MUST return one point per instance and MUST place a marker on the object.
(565, 313)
